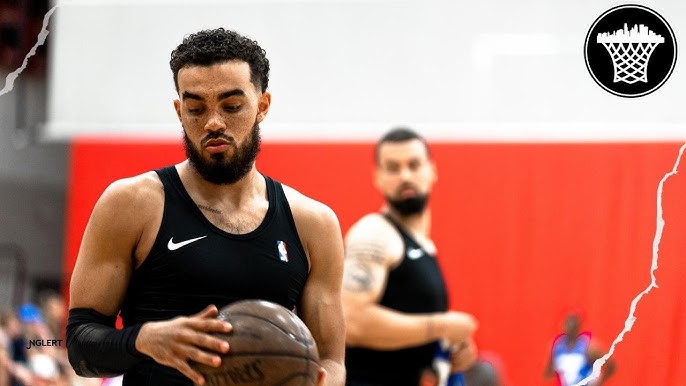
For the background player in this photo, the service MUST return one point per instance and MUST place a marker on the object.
(573, 354)
(394, 297)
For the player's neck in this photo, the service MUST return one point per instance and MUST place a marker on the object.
(419, 224)
(572, 339)
(236, 193)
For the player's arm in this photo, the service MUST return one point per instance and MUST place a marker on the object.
(103, 269)
(320, 307)
(594, 353)
(98, 284)
(370, 255)
(549, 371)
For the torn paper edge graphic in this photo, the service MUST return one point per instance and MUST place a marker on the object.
(42, 36)
(631, 319)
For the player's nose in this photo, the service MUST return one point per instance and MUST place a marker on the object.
(215, 122)
(406, 174)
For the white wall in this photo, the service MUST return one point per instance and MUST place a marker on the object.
(480, 70)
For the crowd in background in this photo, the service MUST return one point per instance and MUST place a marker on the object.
(33, 347)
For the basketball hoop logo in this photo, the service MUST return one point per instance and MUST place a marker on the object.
(630, 51)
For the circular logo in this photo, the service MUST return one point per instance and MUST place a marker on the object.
(630, 50)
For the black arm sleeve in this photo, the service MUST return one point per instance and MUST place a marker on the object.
(96, 348)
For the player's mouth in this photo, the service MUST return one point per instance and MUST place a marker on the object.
(218, 145)
(407, 191)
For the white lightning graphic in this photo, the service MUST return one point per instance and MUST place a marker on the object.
(629, 322)
(9, 80)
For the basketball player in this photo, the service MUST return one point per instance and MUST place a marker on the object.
(167, 248)
(573, 354)
(394, 297)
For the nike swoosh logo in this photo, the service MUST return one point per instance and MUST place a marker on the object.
(415, 253)
(174, 246)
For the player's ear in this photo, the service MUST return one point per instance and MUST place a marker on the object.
(434, 171)
(376, 173)
(263, 105)
(177, 107)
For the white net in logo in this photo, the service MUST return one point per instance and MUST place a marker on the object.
(630, 51)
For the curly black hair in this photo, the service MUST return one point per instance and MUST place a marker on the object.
(213, 46)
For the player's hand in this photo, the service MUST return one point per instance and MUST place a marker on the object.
(457, 327)
(464, 356)
(186, 338)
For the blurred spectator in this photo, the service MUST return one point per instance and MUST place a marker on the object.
(20, 24)
(573, 354)
(13, 371)
(429, 377)
(46, 371)
(40, 360)
(54, 310)
(485, 372)
(39, 365)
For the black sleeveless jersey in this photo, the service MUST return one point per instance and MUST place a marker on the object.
(414, 286)
(193, 264)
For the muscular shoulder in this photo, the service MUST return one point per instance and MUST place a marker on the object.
(131, 201)
(374, 232)
(136, 192)
(373, 225)
(120, 218)
(317, 224)
(308, 211)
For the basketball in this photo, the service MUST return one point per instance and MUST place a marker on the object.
(269, 346)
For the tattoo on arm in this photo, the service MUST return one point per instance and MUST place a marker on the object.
(359, 261)
(358, 277)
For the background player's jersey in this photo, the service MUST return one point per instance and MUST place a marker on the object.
(571, 363)
(414, 286)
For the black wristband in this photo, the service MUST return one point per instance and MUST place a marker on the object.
(96, 348)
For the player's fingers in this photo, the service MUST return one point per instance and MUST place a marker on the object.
(204, 341)
(463, 359)
(209, 325)
(186, 370)
(199, 356)
(210, 311)
(469, 322)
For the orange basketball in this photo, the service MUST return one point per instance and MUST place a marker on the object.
(269, 346)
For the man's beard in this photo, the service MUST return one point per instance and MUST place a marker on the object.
(409, 206)
(219, 169)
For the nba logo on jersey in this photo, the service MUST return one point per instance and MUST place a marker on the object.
(283, 252)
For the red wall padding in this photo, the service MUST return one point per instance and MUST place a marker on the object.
(525, 232)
